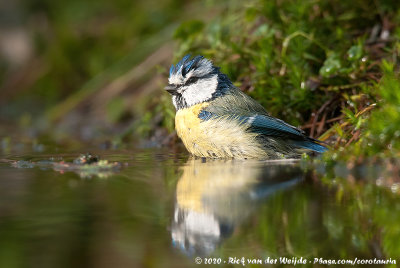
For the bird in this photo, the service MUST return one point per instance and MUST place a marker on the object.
(215, 119)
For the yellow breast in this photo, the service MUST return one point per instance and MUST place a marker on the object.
(216, 138)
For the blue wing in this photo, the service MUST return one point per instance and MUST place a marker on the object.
(266, 125)
(261, 124)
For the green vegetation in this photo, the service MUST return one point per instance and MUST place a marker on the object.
(329, 67)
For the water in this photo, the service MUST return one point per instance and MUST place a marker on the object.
(157, 209)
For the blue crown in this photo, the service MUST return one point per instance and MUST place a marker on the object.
(185, 65)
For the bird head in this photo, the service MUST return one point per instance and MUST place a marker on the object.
(194, 81)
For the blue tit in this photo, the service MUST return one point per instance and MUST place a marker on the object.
(215, 119)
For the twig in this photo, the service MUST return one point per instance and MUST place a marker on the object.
(315, 119)
(327, 121)
(353, 138)
(321, 123)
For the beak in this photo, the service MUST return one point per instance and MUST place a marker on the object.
(171, 89)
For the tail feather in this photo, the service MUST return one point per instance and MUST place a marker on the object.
(311, 145)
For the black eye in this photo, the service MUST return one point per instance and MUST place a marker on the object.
(191, 80)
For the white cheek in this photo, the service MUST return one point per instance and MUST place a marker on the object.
(174, 102)
(200, 91)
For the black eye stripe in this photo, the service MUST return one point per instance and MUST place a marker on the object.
(191, 80)
(194, 79)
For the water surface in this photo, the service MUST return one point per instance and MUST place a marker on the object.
(158, 209)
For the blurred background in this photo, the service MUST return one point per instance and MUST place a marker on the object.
(86, 75)
(88, 67)
(93, 71)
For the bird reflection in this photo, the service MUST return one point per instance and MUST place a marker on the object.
(214, 196)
